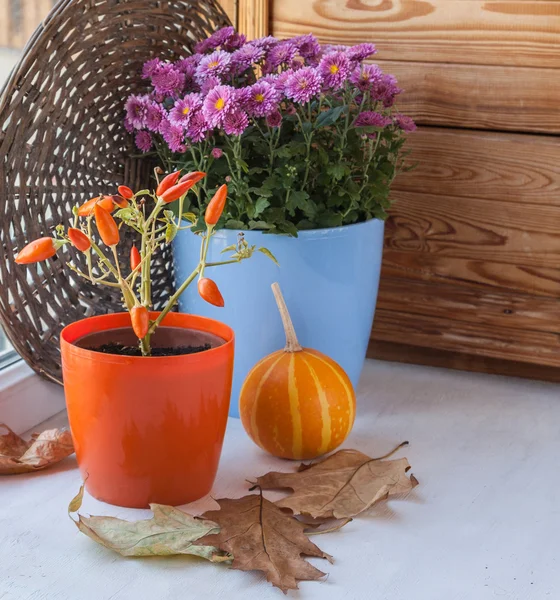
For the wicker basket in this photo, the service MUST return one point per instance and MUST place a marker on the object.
(62, 141)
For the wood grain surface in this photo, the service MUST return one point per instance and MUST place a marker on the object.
(230, 6)
(503, 32)
(479, 97)
(482, 164)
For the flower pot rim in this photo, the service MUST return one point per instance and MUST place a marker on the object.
(302, 233)
(68, 336)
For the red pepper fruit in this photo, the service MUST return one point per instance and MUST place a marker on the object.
(107, 226)
(175, 192)
(79, 239)
(36, 251)
(209, 291)
(140, 321)
(125, 192)
(216, 206)
(87, 207)
(167, 182)
(195, 177)
(135, 258)
(120, 201)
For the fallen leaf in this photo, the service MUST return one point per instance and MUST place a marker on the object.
(170, 531)
(263, 538)
(341, 486)
(42, 451)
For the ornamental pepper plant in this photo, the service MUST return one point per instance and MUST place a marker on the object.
(309, 135)
(96, 233)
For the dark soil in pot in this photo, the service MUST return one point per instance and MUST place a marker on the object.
(167, 341)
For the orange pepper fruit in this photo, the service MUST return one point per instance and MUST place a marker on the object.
(107, 226)
(167, 182)
(87, 207)
(140, 321)
(194, 176)
(175, 192)
(216, 206)
(36, 251)
(125, 192)
(209, 291)
(79, 239)
(120, 201)
(135, 258)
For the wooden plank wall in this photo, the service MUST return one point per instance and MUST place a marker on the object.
(471, 272)
(19, 19)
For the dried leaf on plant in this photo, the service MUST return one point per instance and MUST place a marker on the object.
(340, 486)
(261, 537)
(42, 451)
(170, 531)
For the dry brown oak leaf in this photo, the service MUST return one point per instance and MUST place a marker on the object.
(263, 538)
(42, 451)
(170, 531)
(341, 486)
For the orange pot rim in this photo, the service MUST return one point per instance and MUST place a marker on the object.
(78, 329)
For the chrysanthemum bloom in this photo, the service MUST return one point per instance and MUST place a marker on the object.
(303, 85)
(155, 115)
(261, 99)
(218, 38)
(198, 128)
(246, 57)
(386, 90)
(360, 52)
(369, 118)
(235, 122)
(281, 54)
(150, 67)
(217, 153)
(274, 119)
(168, 80)
(335, 69)
(307, 45)
(297, 63)
(188, 65)
(136, 111)
(327, 48)
(173, 135)
(181, 113)
(217, 104)
(234, 42)
(366, 77)
(128, 125)
(213, 65)
(143, 141)
(209, 84)
(266, 43)
(405, 123)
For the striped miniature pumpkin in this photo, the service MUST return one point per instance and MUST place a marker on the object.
(297, 403)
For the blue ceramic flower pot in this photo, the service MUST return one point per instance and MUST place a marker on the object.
(329, 278)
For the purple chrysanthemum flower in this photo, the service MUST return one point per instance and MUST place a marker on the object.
(274, 119)
(303, 85)
(297, 63)
(360, 52)
(307, 45)
(217, 153)
(188, 65)
(218, 38)
(369, 118)
(405, 123)
(173, 135)
(234, 42)
(181, 113)
(245, 57)
(335, 69)
(150, 67)
(128, 125)
(209, 84)
(143, 141)
(218, 103)
(136, 111)
(155, 115)
(213, 65)
(266, 43)
(366, 77)
(168, 80)
(235, 122)
(327, 48)
(261, 99)
(386, 90)
(281, 54)
(198, 127)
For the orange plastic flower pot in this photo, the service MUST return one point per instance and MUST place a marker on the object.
(147, 429)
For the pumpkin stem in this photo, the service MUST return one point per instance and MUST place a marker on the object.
(292, 344)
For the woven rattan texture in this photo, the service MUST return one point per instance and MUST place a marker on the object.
(62, 142)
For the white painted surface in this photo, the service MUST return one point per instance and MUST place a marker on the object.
(483, 524)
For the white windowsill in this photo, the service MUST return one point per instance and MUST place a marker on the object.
(26, 399)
